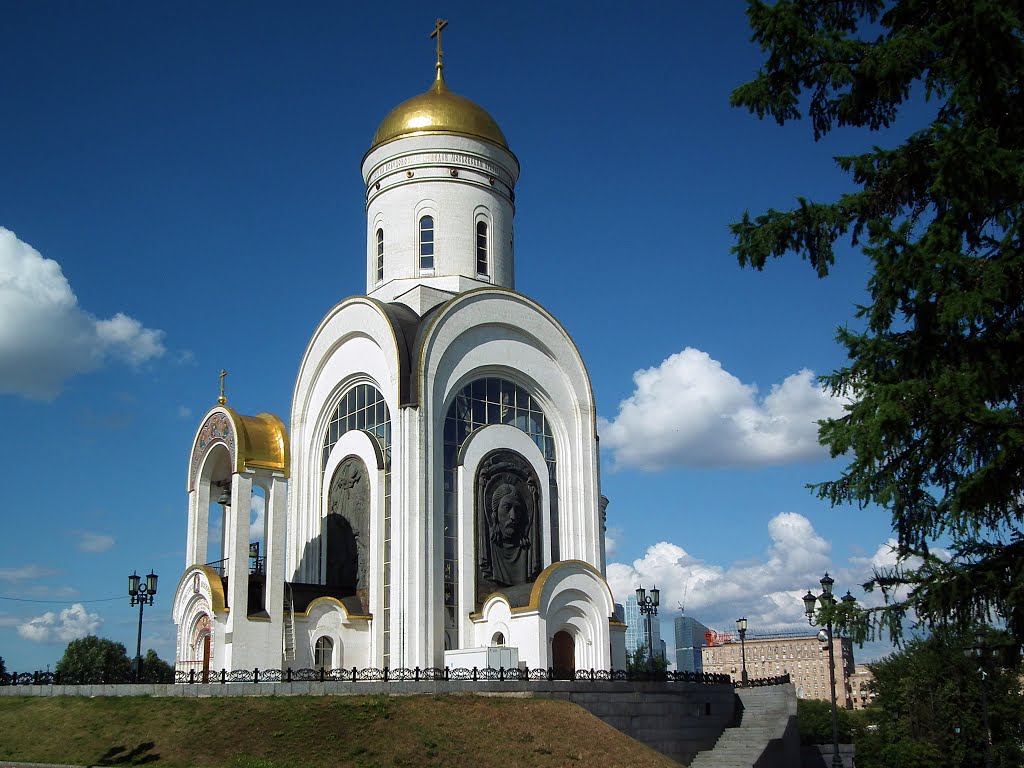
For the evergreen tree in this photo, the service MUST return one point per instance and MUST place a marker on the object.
(94, 659)
(934, 431)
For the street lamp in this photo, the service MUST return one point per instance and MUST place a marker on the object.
(649, 607)
(978, 650)
(826, 599)
(741, 627)
(142, 594)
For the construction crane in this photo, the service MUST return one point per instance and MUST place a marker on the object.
(686, 586)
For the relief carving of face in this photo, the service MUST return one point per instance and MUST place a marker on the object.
(350, 475)
(509, 512)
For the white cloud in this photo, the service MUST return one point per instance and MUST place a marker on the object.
(611, 541)
(257, 506)
(71, 623)
(26, 573)
(690, 412)
(45, 337)
(184, 412)
(767, 591)
(94, 542)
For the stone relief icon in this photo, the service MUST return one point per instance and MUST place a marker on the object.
(508, 520)
(348, 528)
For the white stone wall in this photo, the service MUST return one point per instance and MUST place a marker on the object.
(456, 180)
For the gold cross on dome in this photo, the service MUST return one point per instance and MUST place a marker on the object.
(438, 26)
(222, 400)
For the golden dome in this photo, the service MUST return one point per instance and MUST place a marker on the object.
(439, 111)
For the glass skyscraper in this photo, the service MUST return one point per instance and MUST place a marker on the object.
(636, 629)
(689, 640)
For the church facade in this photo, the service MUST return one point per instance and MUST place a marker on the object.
(435, 498)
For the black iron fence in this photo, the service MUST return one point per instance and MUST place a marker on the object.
(385, 675)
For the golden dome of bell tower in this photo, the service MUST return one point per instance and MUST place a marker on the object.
(440, 200)
(439, 111)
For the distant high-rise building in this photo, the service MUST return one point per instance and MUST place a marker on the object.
(636, 629)
(804, 659)
(689, 640)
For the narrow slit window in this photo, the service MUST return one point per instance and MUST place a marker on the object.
(380, 255)
(481, 248)
(427, 242)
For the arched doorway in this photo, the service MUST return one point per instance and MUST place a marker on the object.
(563, 656)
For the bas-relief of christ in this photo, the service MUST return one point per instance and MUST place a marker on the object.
(348, 528)
(508, 520)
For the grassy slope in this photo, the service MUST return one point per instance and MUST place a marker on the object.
(313, 732)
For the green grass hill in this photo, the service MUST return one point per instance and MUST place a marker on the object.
(457, 731)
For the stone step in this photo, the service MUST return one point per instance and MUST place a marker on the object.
(764, 716)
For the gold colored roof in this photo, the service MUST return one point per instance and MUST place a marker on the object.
(439, 111)
(255, 442)
(265, 442)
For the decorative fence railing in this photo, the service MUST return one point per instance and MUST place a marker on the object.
(385, 675)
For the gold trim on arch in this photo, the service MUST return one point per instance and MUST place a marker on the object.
(448, 306)
(261, 442)
(538, 588)
(336, 601)
(218, 602)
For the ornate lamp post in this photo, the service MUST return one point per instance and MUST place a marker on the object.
(741, 627)
(143, 595)
(978, 650)
(649, 607)
(825, 635)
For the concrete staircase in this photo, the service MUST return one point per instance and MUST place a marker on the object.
(767, 736)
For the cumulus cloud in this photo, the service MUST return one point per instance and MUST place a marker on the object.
(611, 541)
(767, 590)
(45, 337)
(690, 412)
(257, 505)
(89, 541)
(70, 624)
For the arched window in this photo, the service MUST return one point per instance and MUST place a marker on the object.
(380, 255)
(323, 653)
(481, 402)
(427, 242)
(481, 248)
(363, 407)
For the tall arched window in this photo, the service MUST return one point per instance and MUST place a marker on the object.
(323, 653)
(363, 407)
(380, 255)
(488, 401)
(481, 248)
(427, 242)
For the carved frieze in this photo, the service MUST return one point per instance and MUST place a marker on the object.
(217, 429)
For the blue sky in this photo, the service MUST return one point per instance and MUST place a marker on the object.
(180, 192)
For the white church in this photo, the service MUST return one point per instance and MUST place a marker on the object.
(435, 498)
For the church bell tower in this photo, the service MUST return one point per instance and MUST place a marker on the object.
(440, 199)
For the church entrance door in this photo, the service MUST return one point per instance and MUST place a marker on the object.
(563, 656)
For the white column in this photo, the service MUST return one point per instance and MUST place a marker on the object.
(276, 499)
(237, 524)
